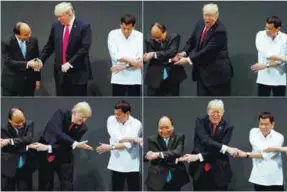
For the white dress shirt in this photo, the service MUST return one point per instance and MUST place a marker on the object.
(119, 46)
(266, 47)
(267, 171)
(128, 159)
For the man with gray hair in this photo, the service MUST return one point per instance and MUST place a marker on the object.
(209, 162)
(212, 69)
(62, 134)
(70, 39)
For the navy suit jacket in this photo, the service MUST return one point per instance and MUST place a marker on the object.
(77, 53)
(57, 134)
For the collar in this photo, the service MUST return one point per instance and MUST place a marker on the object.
(19, 41)
(128, 36)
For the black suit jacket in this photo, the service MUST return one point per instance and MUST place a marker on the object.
(158, 169)
(211, 63)
(77, 52)
(176, 74)
(11, 153)
(14, 72)
(57, 135)
(209, 146)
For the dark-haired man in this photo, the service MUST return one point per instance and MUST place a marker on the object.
(21, 71)
(16, 138)
(267, 172)
(271, 45)
(162, 76)
(126, 49)
(125, 158)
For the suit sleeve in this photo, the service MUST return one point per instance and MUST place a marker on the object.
(216, 42)
(37, 73)
(27, 139)
(190, 44)
(212, 155)
(171, 52)
(49, 48)
(55, 128)
(9, 61)
(177, 152)
(86, 41)
(206, 139)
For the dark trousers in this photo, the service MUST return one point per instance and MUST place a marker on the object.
(268, 188)
(67, 89)
(166, 88)
(266, 90)
(216, 90)
(22, 181)
(167, 187)
(46, 172)
(119, 178)
(206, 183)
(126, 90)
(27, 90)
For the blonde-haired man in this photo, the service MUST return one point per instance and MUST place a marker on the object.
(70, 39)
(209, 163)
(62, 134)
(212, 69)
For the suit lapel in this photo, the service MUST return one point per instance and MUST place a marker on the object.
(161, 143)
(201, 28)
(72, 32)
(28, 47)
(12, 131)
(171, 141)
(17, 47)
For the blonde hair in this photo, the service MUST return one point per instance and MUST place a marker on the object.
(83, 108)
(64, 7)
(211, 8)
(215, 104)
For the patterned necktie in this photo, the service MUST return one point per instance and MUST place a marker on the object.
(168, 178)
(21, 160)
(65, 44)
(23, 48)
(164, 74)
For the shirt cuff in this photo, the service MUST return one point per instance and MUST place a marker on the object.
(49, 149)
(11, 142)
(155, 55)
(71, 66)
(189, 61)
(184, 53)
(161, 155)
(74, 145)
(223, 149)
(200, 157)
(127, 145)
(27, 148)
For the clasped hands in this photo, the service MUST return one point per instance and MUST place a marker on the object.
(122, 64)
(178, 59)
(35, 64)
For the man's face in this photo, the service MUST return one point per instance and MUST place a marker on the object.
(65, 18)
(209, 18)
(165, 128)
(17, 121)
(158, 35)
(127, 29)
(120, 115)
(270, 29)
(24, 35)
(215, 115)
(265, 126)
(78, 118)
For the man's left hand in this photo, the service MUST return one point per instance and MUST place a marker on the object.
(103, 148)
(182, 61)
(152, 155)
(257, 67)
(66, 67)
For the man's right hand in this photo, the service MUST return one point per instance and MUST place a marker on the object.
(36, 65)
(84, 146)
(181, 54)
(233, 151)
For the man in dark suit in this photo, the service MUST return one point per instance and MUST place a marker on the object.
(20, 73)
(16, 164)
(164, 174)
(212, 69)
(163, 78)
(61, 135)
(209, 167)
(70, 39)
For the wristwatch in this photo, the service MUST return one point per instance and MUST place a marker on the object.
(268, 65)
(127, 65)
(113, 147)
(247, 155)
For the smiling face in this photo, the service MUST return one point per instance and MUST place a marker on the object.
(165, 127)
(215, 115)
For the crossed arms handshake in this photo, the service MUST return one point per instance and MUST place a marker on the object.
(35, 64)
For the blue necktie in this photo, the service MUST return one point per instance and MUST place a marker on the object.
(164, 74)
(23, 48)
(168, 178)
(21, 160)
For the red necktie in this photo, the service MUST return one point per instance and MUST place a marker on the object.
(207, 166)
(71, 126)
(203, 34)
(213, 129)
(65, 44)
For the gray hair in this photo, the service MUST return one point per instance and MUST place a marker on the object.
(211, 8)
(216, 104)
(83, 108)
